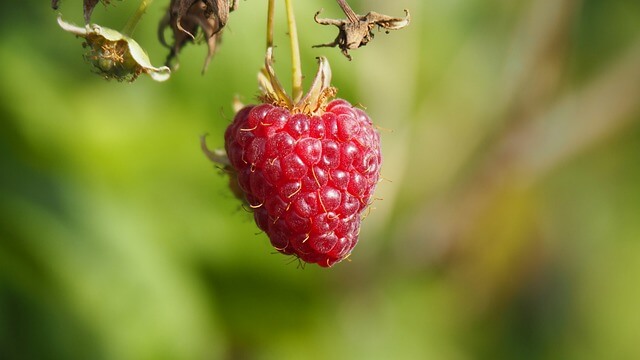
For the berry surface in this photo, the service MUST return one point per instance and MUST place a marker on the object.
(308, 178)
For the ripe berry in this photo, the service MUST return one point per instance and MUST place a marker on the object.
(307, 177)
(307, 166)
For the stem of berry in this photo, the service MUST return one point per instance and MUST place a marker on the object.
(271, 11)
(130, 26)
(296, 67)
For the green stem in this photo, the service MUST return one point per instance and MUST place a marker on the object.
(296, 65)
(271, 11)
(130, 26)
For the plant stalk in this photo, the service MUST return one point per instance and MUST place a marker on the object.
(296, 64)
(131, 24)
(271, 11)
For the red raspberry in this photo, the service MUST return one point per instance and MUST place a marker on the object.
(307, 177)
(308, 167)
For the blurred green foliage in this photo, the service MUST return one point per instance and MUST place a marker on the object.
(508, 227)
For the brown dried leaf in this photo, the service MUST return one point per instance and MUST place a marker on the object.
(88, 9)
(185, 17)
(357, 32)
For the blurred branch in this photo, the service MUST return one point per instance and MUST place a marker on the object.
(577, 121)
(538, 133)
(538, 54)
(532, 71)
(582, 118)
(529, 151)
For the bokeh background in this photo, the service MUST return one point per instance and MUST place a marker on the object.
(507, 227)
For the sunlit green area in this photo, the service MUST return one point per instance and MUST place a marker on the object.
(507, 226)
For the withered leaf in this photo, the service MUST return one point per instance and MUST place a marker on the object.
(87, 6)
(356, 30)
(185, 17)
(88, 9)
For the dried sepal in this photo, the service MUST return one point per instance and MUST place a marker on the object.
(87, 6)
(114, 55)
(220, 159)
(356, 30)
(271, 89)
(313, 102)
(237, 104)
(216, 156)
(185, 17)
(320, 92)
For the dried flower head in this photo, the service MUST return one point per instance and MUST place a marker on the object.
(114, 55)
(356, 30)
(185, 17)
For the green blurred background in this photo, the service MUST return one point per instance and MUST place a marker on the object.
(507, 226)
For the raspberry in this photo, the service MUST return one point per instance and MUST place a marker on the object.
(307, 166)
(307, 177)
